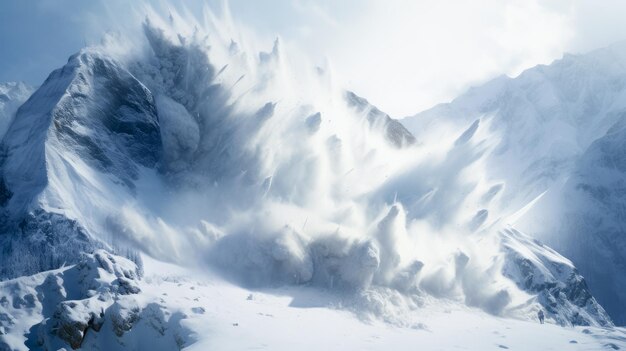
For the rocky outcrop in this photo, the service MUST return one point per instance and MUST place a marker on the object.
(395, 133)
(73, 301)
(552, 280)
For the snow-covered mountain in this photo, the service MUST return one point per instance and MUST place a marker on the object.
(12, 95)
(585, 218)
(539, 122)
(254, 174)
(550, 126)
(80, 139)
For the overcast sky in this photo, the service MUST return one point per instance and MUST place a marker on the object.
(402, 55)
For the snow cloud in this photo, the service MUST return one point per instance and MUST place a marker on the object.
(247, 186)
(415, 53)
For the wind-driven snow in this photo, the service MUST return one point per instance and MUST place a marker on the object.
(551, 158)
(190, 146)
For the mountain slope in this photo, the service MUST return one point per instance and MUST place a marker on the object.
(585, 218)
(540, 122)
(80, 140)
(12, 95)
(540, 131)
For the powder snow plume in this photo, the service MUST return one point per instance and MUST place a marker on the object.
(181, 139)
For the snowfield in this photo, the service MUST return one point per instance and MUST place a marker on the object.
(176, 308)
(229, 317)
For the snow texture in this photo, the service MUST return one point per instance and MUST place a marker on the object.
(552, 146)
(192, 146)
(79, 308)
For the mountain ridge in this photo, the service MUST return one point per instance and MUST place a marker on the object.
(540, 124)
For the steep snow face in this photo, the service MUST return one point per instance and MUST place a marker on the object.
(74, 150)
(91, 116)
(550, 162)
(12, 95)
(561, 289)
(585, 218)
(538, 123)
(191, 149)
(394, 131)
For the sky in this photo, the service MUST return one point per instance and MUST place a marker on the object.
(402, 55)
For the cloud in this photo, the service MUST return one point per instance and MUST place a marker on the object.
(407, 56)
(404, 56)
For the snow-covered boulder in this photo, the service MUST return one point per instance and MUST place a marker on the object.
(72, 319)
(60, 308)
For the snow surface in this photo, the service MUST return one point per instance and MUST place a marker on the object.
(181, 308)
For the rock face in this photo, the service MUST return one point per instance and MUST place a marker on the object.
(540, 122)
(41, 241)
(72, 301)
(91, 109)
(72, 319)
(395, 133)
(593, 221)
(558, 286)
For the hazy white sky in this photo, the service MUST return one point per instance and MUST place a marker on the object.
(403, 55)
